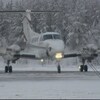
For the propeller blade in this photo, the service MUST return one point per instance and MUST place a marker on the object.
(33, 11)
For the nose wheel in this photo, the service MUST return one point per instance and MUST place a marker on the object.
(59, 68)
(8, 68)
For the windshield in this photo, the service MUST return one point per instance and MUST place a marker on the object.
(51, 36)
(46, 37)
(55, 36)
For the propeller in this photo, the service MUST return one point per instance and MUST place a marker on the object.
(30, 11)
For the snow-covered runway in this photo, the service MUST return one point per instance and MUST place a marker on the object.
(52, 89)
(34, 83)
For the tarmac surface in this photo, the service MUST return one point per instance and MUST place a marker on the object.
(48, 75)
(49, 85)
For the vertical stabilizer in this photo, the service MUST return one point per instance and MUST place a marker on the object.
(28, 32)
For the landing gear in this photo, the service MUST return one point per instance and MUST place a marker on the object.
(83, 68)
(8, 68)
(59, 68)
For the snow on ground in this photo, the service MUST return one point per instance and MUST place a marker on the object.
(66, 89)
(49, 89)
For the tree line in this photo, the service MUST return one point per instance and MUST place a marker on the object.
(78, 20)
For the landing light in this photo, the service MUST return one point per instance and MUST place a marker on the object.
(58, 55)
(79, 67)
(42, 60)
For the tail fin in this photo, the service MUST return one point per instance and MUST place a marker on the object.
(28, 32)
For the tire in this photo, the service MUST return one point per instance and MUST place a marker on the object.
(10, 69)
(81, 68)
(59, 69)
(6, 69)
(85, 68)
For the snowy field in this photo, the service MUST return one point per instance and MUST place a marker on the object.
(68, 85)
(65, 89)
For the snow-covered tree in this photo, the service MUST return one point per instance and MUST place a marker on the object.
(78, 21)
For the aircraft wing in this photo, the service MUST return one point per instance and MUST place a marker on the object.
(71, 55)
(27, 56)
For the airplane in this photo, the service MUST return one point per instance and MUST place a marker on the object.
(49, 45)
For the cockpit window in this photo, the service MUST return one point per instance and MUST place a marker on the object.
(55, 36)
(51, 36)
(46, 37)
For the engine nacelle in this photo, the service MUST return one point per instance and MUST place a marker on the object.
(10, 52)
(14, 48)
(89, 53)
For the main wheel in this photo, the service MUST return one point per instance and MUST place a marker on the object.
(85, 68)
(10, 69)
(6, 69)
(59, 69)
(81, 68)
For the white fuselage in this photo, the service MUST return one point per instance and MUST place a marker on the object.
(52, 42)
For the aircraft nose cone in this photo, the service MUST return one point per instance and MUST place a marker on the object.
(56, 46)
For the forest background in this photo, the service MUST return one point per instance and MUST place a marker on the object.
(78, 21)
